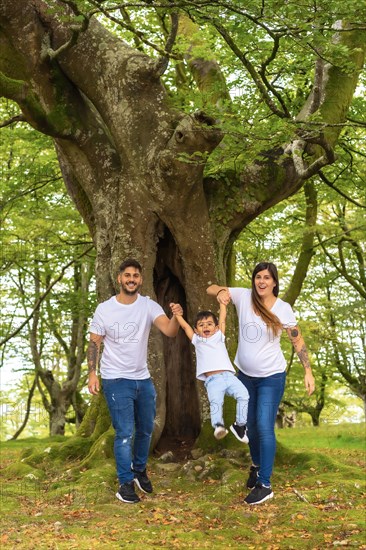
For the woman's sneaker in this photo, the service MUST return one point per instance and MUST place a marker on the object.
(220, 431)
(127, 493)
(259, 494)
(253, 477)
(240, 432)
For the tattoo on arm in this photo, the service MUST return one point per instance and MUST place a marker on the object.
(92, 356)
(304, 357)
(294, 333)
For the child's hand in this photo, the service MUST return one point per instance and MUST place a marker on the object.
(176, 309)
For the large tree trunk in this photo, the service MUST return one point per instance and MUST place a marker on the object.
(134, 168)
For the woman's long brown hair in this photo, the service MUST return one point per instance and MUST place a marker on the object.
(271, 320)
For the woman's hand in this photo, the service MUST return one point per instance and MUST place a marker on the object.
(223, 296)
(300, 348)
(221, 292)
(309, 381)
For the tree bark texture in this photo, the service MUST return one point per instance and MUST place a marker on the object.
(123, 153)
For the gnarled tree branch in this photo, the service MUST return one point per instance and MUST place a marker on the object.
(76, 29)
(162, 63)
(298, 150)
(261, 85)
(342, 270)
(332, 186)
(12, 120)
(307, 245)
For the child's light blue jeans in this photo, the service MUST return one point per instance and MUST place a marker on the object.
(226, 383)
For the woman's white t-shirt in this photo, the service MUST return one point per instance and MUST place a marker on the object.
(211, 354)
(126, 329)
(259, 353)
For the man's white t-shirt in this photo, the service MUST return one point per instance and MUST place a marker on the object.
(126, 329)
(211, 354)
(259, 353)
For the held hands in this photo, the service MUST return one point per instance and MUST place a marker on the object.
(93, 385)
(223, 296)
(176, 309)
(309, 382)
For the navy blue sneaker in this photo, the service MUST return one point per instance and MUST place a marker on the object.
(253, 477)
(142, 481)
(240, 432)
(259, 494)
(127, 493)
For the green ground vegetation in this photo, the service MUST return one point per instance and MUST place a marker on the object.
(52, 500)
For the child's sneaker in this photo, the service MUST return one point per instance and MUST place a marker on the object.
(220, 431)
(240, 432)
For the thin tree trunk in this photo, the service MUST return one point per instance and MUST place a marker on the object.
(27, 411)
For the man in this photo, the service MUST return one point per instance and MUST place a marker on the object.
(123, 324)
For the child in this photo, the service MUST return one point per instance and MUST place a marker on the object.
(215, 369)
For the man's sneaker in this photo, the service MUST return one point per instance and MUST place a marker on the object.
(240, 432)
(142, 481)
(220, 431)
(253, 477)
(127, 493)
(259, 494)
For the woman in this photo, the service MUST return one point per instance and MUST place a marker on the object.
(262, 366)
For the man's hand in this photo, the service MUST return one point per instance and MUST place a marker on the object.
(92, 354)
(169, 327)
(93, 385)
(176, 309)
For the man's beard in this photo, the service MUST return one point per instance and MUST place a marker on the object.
(128, 291)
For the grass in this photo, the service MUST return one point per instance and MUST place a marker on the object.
(319, 484)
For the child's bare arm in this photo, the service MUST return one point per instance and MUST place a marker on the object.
(185, 326)
(222, 318)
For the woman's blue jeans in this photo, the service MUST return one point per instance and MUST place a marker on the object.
(132, 406)
(265, 395)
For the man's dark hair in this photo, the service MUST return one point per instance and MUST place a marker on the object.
(130, 262)
(205, 315)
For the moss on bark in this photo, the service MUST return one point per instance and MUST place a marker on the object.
(96, 420)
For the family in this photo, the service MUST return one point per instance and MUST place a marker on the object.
(257, 387)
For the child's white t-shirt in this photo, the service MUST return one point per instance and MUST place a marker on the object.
(259, 352)
(211, 354)
(126, 329)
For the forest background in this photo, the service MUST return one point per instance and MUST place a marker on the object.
(199, 137)
(315, 232)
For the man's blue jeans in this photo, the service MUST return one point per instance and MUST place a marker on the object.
(265, 395)
(132, 406)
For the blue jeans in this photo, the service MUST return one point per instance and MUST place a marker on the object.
(132, 406)
(221, 384)
(265, 395)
